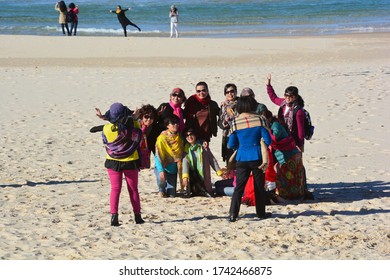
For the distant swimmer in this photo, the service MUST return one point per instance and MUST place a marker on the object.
(123, 20)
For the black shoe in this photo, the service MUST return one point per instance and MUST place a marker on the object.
(308, 196)
(138, 219)
(114, 220)
(232, 218)
(265, 216)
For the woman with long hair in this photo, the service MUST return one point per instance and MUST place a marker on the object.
(61, 8)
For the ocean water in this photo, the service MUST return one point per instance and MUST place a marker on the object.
(203, 18)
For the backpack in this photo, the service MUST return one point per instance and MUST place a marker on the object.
(70, 15)
(309, 128)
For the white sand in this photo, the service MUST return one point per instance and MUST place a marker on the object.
(55, 190)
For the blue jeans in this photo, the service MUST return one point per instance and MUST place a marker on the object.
(169, 186)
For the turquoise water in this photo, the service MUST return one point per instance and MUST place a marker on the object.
(204, 18)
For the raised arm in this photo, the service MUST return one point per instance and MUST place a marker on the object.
(271, 93)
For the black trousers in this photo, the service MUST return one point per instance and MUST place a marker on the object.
(243, 170)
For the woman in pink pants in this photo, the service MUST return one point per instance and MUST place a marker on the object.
(121, 138)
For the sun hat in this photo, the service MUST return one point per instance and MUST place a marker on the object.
(117, 111)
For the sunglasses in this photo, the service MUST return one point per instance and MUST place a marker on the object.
(175, 123)
(201, 90)
(189, 134)
(148, 117)
(176, 95)
(230, 91)
(288, 95)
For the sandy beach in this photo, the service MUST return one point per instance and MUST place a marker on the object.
(55, 189)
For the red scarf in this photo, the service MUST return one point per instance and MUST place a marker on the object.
(205, 101)
(178, 112)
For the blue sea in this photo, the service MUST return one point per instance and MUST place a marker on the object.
(204, 18)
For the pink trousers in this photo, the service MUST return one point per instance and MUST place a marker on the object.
(131, 177)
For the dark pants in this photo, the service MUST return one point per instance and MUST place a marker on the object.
(243, 170)
(73, 27)
(65, 26)
(132, 24)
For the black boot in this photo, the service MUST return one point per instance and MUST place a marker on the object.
(138, 219)
(232, 218)
(114, 220)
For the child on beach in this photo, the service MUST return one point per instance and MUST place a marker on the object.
(121, 138)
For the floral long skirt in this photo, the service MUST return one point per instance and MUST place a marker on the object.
(290, 178)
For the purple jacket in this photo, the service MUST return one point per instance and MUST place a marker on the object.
(298, 127)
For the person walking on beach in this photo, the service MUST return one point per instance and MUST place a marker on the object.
(247, 132)
(123, 20)
(121, 138)
(61, 7)
(174, 16)
(72, 16)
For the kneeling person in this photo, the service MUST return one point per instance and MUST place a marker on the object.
(196, 166)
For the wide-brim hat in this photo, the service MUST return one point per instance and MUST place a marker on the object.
(117, 111)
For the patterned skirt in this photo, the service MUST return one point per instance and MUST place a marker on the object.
(290, 178)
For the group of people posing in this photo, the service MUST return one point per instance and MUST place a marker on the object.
(255, 144)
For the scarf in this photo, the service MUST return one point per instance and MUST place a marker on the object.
(194, 157)
(178, 112)
(169, 148)
(242, 122)
(205, 101)
(125, 144)
(285, 144)
(289, 115)
(228, 113)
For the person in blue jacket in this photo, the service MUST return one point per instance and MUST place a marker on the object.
(248, 129)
